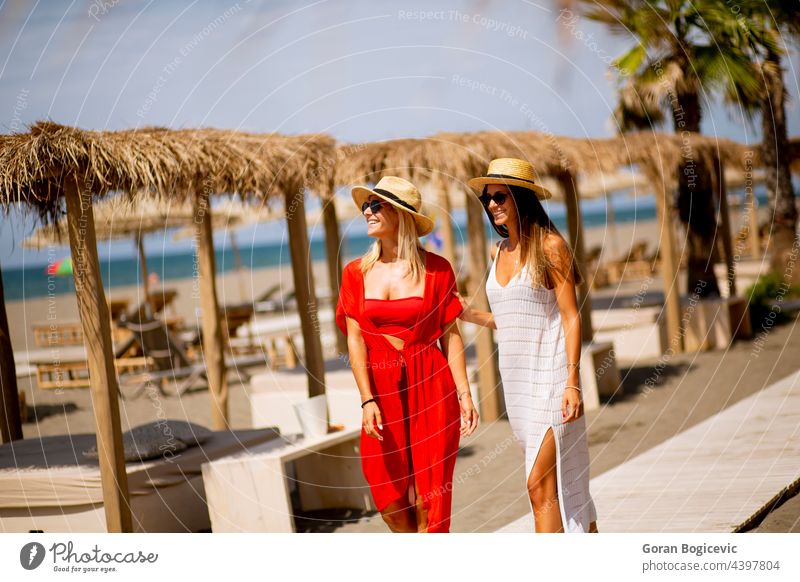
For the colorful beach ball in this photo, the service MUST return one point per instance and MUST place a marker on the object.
(61, 268)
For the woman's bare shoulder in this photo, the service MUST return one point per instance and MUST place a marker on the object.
(556, 246)
(496, 248)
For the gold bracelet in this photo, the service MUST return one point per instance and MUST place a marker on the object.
(462, 394)
(576, 366)
(571, 386)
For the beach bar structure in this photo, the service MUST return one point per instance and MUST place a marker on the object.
(54, 170)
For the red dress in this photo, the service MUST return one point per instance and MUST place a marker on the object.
(415, 392)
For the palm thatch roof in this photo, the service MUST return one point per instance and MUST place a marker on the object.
(121, 216)
(152, 160)
(461, 156)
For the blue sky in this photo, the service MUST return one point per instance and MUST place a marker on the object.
(358, 70)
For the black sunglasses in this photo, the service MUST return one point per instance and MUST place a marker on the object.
(374, 205)
(498, 197)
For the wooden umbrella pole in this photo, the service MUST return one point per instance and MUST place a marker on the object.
(333, 256)
(491, 393)
(213, 341)
(148, 302)
(612, 225)
(10, 420)
(99, 350)
(754, 235)
(237, 260)
(718, 177)
(445, 212)
(303, 275)
(669, 265)
(576, 239)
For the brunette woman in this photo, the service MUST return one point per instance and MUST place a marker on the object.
(531, 292)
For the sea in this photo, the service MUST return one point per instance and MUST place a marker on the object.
(31, 280)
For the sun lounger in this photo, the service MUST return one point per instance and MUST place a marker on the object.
(47, 484)
(635, 265)
(171, 363)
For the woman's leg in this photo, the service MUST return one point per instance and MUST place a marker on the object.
(543, 487)
(420, 512)
(400, 516)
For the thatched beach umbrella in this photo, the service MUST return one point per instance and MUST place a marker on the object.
(55, 169)
(119, 217)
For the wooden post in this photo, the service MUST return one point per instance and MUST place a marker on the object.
(576, 241)
(237, 260)
(445, 213)
(333, 255)
(149, 311)
(754, 236)
(304, 290)
(669, 265)
(490, 389)
(718, 181)
(612, 225)
(213, 341)
(10, 420)
(100, 354)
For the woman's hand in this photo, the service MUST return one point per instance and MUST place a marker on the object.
(466, 314)
(571, 405)
(371, 420)
(469, 416)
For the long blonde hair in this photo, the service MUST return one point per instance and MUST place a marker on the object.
(408, 246)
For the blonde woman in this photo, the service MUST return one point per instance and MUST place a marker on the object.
(399, 311)
(531, 291)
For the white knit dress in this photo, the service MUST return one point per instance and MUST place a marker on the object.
(533, 368)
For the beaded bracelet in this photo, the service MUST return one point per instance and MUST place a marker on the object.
(367, 402)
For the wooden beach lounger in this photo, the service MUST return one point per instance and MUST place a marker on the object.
(171, 363)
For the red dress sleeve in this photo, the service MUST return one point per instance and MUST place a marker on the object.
(451, 305)
(347, 305)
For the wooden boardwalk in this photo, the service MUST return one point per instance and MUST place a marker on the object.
(712, 477)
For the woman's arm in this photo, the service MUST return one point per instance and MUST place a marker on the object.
(357, 350)
(482, 318)
(563, 278)
(453, 349)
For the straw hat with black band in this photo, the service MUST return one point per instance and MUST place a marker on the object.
(511, 172)
(401, 194)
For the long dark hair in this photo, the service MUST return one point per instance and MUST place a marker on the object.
(534, 226)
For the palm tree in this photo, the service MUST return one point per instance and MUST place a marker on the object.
(780, 18)
(686, 50)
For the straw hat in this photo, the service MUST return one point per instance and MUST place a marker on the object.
(401, 194)
(512, 172)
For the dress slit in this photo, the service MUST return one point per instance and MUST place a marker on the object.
(559, 486)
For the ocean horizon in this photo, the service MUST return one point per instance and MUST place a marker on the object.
(32, 281)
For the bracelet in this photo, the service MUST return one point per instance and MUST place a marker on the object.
(367, 402)
(570, 386)
(464, 393)
(576, 366)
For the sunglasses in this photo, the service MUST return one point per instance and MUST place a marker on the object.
(374, 205)
(498, 197)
